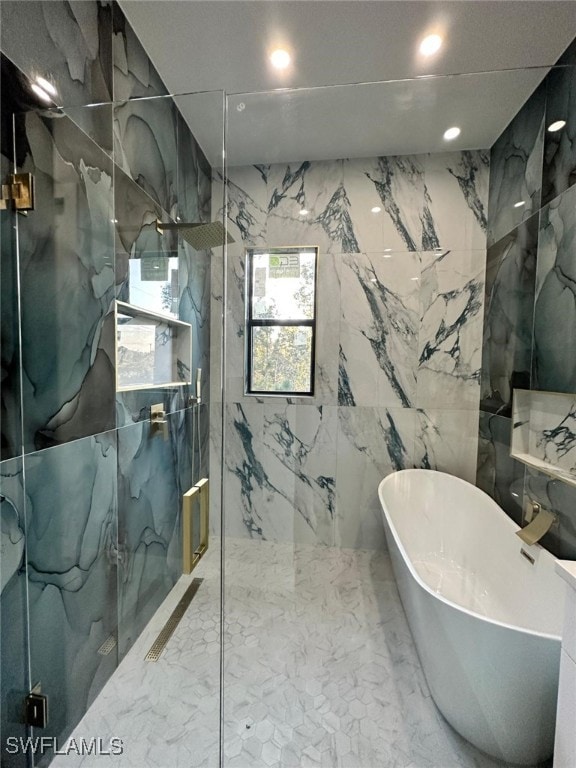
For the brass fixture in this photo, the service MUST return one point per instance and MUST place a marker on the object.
(199, 236)
(158, 421)
(200, 493)
(19, 190)
(541, 522)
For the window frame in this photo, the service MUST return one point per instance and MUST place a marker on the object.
(251, 322)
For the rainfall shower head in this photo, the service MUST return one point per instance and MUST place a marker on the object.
(199, 236)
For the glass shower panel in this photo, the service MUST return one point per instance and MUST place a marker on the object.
(315, 640)
(99, 515)
(66, 274)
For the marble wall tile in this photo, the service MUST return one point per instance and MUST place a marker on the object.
(72, 556)
(246, 203)
(215, 461)
(13, 609)
(450, 329)
(395, 184)
(372, 442)
(281, 465)
(216, 326)
(552, 430)
(554, 353)
(10, 411)
(149, 535)
(379, 329)
(134, 74)
(194, 173)
(560, 498)
(133, 406)
(135, 215)
(194, 308)
(447, 440)
(456, 200)
(328, 314)
(559, 172)
(516, 169)
(69, 43)
(67, 286)
(317, 187)
(497, 473)
(145, 147)
(508, 317)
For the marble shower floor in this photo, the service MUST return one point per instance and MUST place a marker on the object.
(320, 670)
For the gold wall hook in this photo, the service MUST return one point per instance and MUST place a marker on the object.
(19, 190)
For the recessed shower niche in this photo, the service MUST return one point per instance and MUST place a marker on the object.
(152, 350)
(544, 432)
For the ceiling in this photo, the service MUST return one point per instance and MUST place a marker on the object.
(204, 45)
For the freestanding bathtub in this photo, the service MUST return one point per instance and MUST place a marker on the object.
(485, 621)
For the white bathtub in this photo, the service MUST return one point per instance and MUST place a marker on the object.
(486, 623)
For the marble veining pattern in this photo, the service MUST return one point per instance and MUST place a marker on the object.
(67, 261)
(498, 474)
(554, 355)
(281, 465)
(508, 316)
(153, 473)
(449, 348)
(134, 74)
(372, 442)
(379, 329)
(13, 609)
(320, 671)
(72, 553)
(456, 200)
(399, 332)
(552, 430)
(71, 40)
(516, 169)
(559, 171)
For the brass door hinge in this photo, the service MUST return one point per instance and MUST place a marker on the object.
(19, 190)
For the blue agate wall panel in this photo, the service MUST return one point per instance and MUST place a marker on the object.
(530, 309)
(79, 465)
(13, 611)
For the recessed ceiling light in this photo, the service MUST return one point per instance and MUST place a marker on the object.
(430, 45)
(452, 133)
(40, 92)
(556, 126)
(519, 204)
(303, 212)
(376, 209)
(46, 85)
(280, 59)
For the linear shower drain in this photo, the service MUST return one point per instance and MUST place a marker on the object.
(107, 646)
(160, 643)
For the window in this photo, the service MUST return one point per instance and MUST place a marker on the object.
(281, 320)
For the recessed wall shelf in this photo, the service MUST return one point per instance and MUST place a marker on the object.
(152, 350)
(544, 432)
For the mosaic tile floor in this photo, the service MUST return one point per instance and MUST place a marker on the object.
(320, 670)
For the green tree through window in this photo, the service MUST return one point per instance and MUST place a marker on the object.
(281, 320)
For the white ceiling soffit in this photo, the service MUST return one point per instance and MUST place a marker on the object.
(200, 45)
